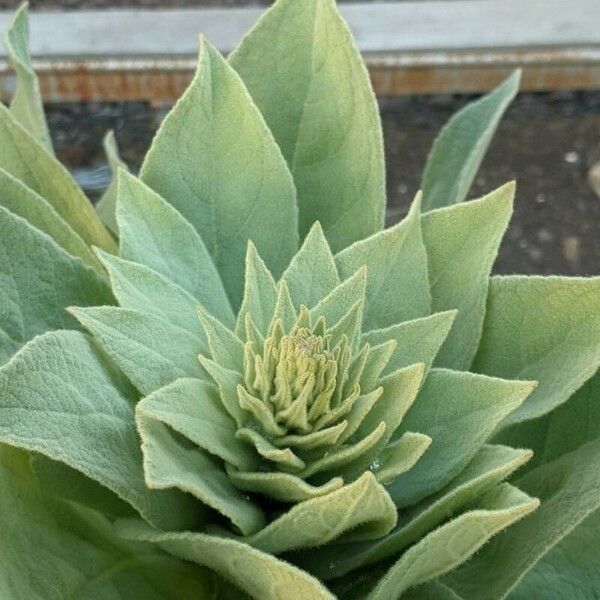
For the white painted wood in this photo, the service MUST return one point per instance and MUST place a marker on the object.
(431, 25)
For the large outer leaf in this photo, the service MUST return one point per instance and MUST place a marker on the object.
(569, 488)
(23, 201)
(462, 242)
(38, 280)
(459, 411)
(461, 145)
(26, 105)
(154, 234)
(542, 328)
(306, 76)
(49, 551)
(216, 161)
(60, 397)
(151, 351)
(453, 543)
(397, 279)
(19, 152)
(261, 575)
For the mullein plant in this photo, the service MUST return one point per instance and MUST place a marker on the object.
(230, 380)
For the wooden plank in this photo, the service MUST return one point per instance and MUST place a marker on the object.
(430, 46)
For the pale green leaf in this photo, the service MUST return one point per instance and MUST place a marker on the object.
(24, 202)
(60, 397)
(107, 205)
(38, 281)
(312, 273)
(491, 465)
(26, 105)
(260, 294)
(459, 411)
(459, 149)
(261, 575)
(150, 351)
(193, 408)
(397, 279)
(216, 161)
(169, 464)
(462, 242)
(140, 288)
(51, 551)
(19, 152)
(306, 76)
(154, 234)
(362, 508)
(570, 570)
(284, 458)
(453, 543)
(416, 341)
(569, 489)
(225, 347)
(542, 328)
(400, 456)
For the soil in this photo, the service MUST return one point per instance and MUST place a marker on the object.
(547, 142)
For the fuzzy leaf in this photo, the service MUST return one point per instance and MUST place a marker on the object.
(150, 351)
(107, 205)
(193, 408)
(312, 274)
(35, 293)
(154, 234)
(26, 105)
(362, 508)
(140, 288)
(215, 160)
(51, 551)
(416, 341)
(453, 543)
(306, 76)
(462, 242)
(542, 328)
(458, 411)
(24, 202)
(168, 464)
(401, 456)
(19, 151)
(569, 489)
(61, 398)
(397, 279)
(491, 465)
(459, 149)
(261, 575)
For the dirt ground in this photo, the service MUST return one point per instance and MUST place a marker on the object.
(547, 142)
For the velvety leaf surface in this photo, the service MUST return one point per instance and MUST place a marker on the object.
(261, 575)
(49, 551)
(458, 411)
(154, 234)
(453, 543)
(460, 147)
(542, 328)
(35, 293)
(569, 489)
(26, 104)
(19, 151)
(397, 278)
(24, 202)
(149, 350)
(306, 76)
(462, 242)
(107, 205)
(61, 398)
(215, 160)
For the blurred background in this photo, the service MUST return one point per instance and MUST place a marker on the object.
(102, 69)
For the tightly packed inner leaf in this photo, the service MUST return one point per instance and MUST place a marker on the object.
(246, 387)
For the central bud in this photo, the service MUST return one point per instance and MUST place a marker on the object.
(295, 375)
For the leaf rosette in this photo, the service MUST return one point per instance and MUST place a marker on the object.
(232, 380)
